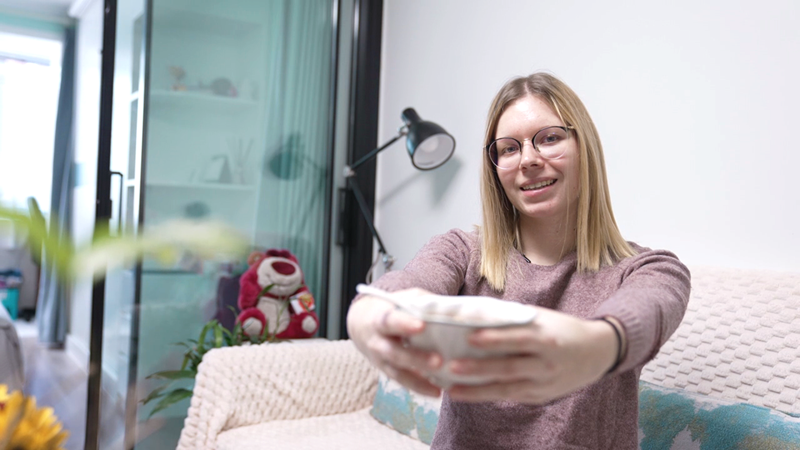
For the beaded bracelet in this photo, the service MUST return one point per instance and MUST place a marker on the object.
(619, 345)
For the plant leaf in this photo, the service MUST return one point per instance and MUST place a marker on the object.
(186, 358)
(156, 393)
(266, 289)
(217, 335)
(265, 333)
(201, 342)
(173, 374)
(170, 399)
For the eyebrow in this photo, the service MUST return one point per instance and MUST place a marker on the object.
(531, 136)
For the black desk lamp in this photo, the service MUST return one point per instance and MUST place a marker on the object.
(428, 145)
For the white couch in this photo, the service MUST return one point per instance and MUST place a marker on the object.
(739, 341)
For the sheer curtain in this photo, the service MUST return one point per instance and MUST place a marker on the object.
(51, 308)
(298, 134)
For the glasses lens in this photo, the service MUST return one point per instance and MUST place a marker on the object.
(551, 142)
(505, 153)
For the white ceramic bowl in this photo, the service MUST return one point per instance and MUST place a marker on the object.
(449, 320)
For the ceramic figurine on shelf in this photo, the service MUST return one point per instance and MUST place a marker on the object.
(178, 73)
(223, 87)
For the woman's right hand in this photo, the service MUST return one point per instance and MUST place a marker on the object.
(379, 331)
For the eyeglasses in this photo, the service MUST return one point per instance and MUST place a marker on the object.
(550, 142)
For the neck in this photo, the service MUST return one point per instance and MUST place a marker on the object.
(546, 242)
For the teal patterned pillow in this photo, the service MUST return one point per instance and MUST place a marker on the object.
(674, 419)
(409, 413)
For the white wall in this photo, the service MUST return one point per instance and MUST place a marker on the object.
(696, 103)
(89, 43)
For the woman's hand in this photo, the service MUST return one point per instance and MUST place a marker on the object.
(379, 331)
(554, 356)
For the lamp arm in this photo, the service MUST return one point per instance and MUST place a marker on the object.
(362, 205)
(370, 155)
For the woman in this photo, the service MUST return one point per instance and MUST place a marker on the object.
(549, 240)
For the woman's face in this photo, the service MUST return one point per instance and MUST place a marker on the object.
(539, 188)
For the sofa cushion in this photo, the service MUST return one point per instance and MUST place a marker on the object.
(675, 419)
(409, 413)
(352, 431)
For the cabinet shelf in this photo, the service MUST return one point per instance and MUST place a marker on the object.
(171, 19)
(191, 100)
(211, 186)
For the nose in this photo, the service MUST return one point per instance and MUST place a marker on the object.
(529, 156)
(283, 268)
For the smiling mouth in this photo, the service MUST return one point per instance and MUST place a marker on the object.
(540, 185)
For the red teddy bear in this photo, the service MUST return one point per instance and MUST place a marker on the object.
(287, 308)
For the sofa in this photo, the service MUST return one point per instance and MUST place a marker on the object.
(728, 378)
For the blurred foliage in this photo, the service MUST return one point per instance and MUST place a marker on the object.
(167, 243)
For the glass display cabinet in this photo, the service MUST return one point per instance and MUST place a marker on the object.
(221, 110)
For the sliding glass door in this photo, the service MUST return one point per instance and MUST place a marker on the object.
(222, 111)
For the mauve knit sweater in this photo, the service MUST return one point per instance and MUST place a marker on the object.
(647, 293)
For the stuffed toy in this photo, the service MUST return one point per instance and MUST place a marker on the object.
(287, 308)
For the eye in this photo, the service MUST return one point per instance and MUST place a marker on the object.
(506, 147)
(551, 137)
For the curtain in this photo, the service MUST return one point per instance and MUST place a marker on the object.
(51, 307)
(299, 123)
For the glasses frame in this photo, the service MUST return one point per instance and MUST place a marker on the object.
(488, 148)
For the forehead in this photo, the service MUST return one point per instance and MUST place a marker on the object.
(526, 115)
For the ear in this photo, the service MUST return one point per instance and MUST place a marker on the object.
(254, 258)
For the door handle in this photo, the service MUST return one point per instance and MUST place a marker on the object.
(119, 205)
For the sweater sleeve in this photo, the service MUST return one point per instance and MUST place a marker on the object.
(650, 304)
(439, 267)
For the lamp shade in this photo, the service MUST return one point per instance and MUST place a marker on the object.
(428, 144)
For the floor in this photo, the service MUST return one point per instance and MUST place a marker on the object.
(58, 381)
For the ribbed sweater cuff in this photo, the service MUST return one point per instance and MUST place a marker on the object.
(639, 341)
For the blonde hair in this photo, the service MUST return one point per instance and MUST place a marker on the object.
(599, 241)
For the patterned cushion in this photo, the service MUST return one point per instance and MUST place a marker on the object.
(409, 413)
(675, 419)
(669, 419)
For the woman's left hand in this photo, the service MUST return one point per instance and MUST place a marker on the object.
(553, 356)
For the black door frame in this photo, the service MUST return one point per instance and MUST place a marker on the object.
(102, 217)
(363, 131)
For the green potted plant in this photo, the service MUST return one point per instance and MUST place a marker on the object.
(213, 335)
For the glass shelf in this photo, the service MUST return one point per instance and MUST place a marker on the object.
(191, 100)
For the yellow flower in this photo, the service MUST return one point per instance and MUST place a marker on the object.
(25, 427)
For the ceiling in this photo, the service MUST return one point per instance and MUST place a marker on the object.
(45, 7)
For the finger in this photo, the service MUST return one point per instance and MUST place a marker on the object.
(416, 292)
(392, 352)
(506, 369)
(393, 322)
(521, 391)
(520, 340)
(413, 381)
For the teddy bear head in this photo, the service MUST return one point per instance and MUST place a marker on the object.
(280, 268)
